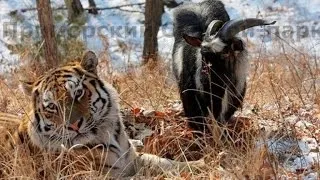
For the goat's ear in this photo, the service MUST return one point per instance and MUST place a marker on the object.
(89, 62)
(193, 41)
(26, 87)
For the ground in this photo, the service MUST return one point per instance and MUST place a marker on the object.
(276, 133)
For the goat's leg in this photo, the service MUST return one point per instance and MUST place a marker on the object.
(194, 110)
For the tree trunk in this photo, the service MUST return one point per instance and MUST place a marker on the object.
(171, 3)
(47, 32)
(93, 7)
(153, 13)
(75, 10)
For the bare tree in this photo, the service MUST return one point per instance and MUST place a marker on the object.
(153, 13)
(171, 3)
(93, 7)
(75, 10)
(47, 32)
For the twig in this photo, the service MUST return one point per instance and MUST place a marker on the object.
(132, 11)
(87, 9)
(117, 7)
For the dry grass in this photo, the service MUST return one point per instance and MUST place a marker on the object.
(278, 87)
(150, 86)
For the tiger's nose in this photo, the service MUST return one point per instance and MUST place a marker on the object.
(75, 126)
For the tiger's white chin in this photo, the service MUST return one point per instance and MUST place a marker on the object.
(44, 142)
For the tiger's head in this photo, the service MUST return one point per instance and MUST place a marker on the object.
(71, 105)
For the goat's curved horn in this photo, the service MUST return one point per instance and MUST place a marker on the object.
(233, 27)
(213, 27)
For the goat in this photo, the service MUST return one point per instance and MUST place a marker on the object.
(209, 61)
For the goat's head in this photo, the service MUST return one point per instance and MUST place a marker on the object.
(218, 35)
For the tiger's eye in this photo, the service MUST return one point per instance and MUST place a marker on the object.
(48, 127)
(51, 106)
(78, 94)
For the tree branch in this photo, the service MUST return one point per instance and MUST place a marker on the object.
(132, 11)
(14, 12)
(118, 7)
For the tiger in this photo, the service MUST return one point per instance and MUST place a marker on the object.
(72, 106)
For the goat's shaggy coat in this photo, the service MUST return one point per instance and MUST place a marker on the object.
(211, 74)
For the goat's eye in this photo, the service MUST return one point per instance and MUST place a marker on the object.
(78, 93)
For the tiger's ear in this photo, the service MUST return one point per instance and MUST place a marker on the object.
(26, 87)
(89, 62)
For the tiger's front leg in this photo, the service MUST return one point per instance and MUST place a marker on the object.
(100, 158)
(160, 165)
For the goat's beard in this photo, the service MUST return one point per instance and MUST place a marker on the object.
(208, 61)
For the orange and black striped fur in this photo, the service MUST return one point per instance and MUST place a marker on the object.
(72, 106)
